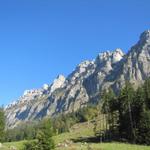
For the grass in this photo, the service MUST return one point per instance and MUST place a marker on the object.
(77, 139)
(91, 146)
(77, 131)
(9, 145)
(80, 133)
(105, 146)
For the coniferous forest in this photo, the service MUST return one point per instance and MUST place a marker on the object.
(126, 117)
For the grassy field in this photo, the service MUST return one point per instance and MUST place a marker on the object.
(105, 146)
(83, 146)
(80, 138)
(77, 131)
(13, 145)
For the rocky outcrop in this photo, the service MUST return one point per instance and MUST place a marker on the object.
(58, 83)
(136, 66)
(83, 85)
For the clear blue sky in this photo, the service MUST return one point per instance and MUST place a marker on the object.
(40, 39)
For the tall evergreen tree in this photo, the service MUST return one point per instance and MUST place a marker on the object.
(106, 114)
(44, 136)
(147, 93)
(144, 128)
(125, 102)
(2, 124)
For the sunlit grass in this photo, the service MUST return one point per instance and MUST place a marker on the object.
(81, 130)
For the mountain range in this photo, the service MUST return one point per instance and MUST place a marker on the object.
(84, 84)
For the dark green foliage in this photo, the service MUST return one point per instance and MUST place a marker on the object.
(2, 125)
(147, 93)
(125, 103)
(108, 98)
(144, 128)
(128, 114)
(63, 122)
(108, 111)
(44, 137)
(31, 145)
(25, 131)
(86, 113)
(60, 124)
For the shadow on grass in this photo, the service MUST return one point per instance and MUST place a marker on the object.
(87, 140)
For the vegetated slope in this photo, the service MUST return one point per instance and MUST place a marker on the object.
(80, 137)
(84, 84)
(75, 140)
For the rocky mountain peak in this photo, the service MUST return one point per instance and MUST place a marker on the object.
(145, 36)
(106, 60)
(60, 77)
(45, 86)
(117, 55)
(112, 56)
(30, 94)
(85, 63)
(57, 83)
(142, 46)
(83, 66)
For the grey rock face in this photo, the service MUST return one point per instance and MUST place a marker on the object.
(106, 71)
(136, 67)
(83, 85)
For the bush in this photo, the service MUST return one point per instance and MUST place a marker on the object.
(44, 138)
(31, 145)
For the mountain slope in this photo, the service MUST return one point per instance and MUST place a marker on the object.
(83, 85)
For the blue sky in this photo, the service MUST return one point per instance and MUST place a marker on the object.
(40, 39)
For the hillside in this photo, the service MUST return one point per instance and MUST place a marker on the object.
(80, 137)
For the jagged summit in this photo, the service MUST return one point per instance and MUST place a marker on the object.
(60, 76)
(57, 83)
(29, 95)
(119, 51)
(45, 86)
(145, 36)
(109, 58)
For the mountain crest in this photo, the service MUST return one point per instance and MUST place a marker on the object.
(57, 83)
(145, 37)
(84, 84)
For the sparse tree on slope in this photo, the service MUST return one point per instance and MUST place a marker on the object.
(44, 137)
(2, 124)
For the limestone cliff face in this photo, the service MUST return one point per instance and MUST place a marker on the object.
(83, 85)
(136, 66)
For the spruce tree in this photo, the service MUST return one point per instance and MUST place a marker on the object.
(144, 128)
(125, 103)
(2, 124)
(44, 135)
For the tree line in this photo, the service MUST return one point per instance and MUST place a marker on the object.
(126, 116)
(61, 123)
(39, 133)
